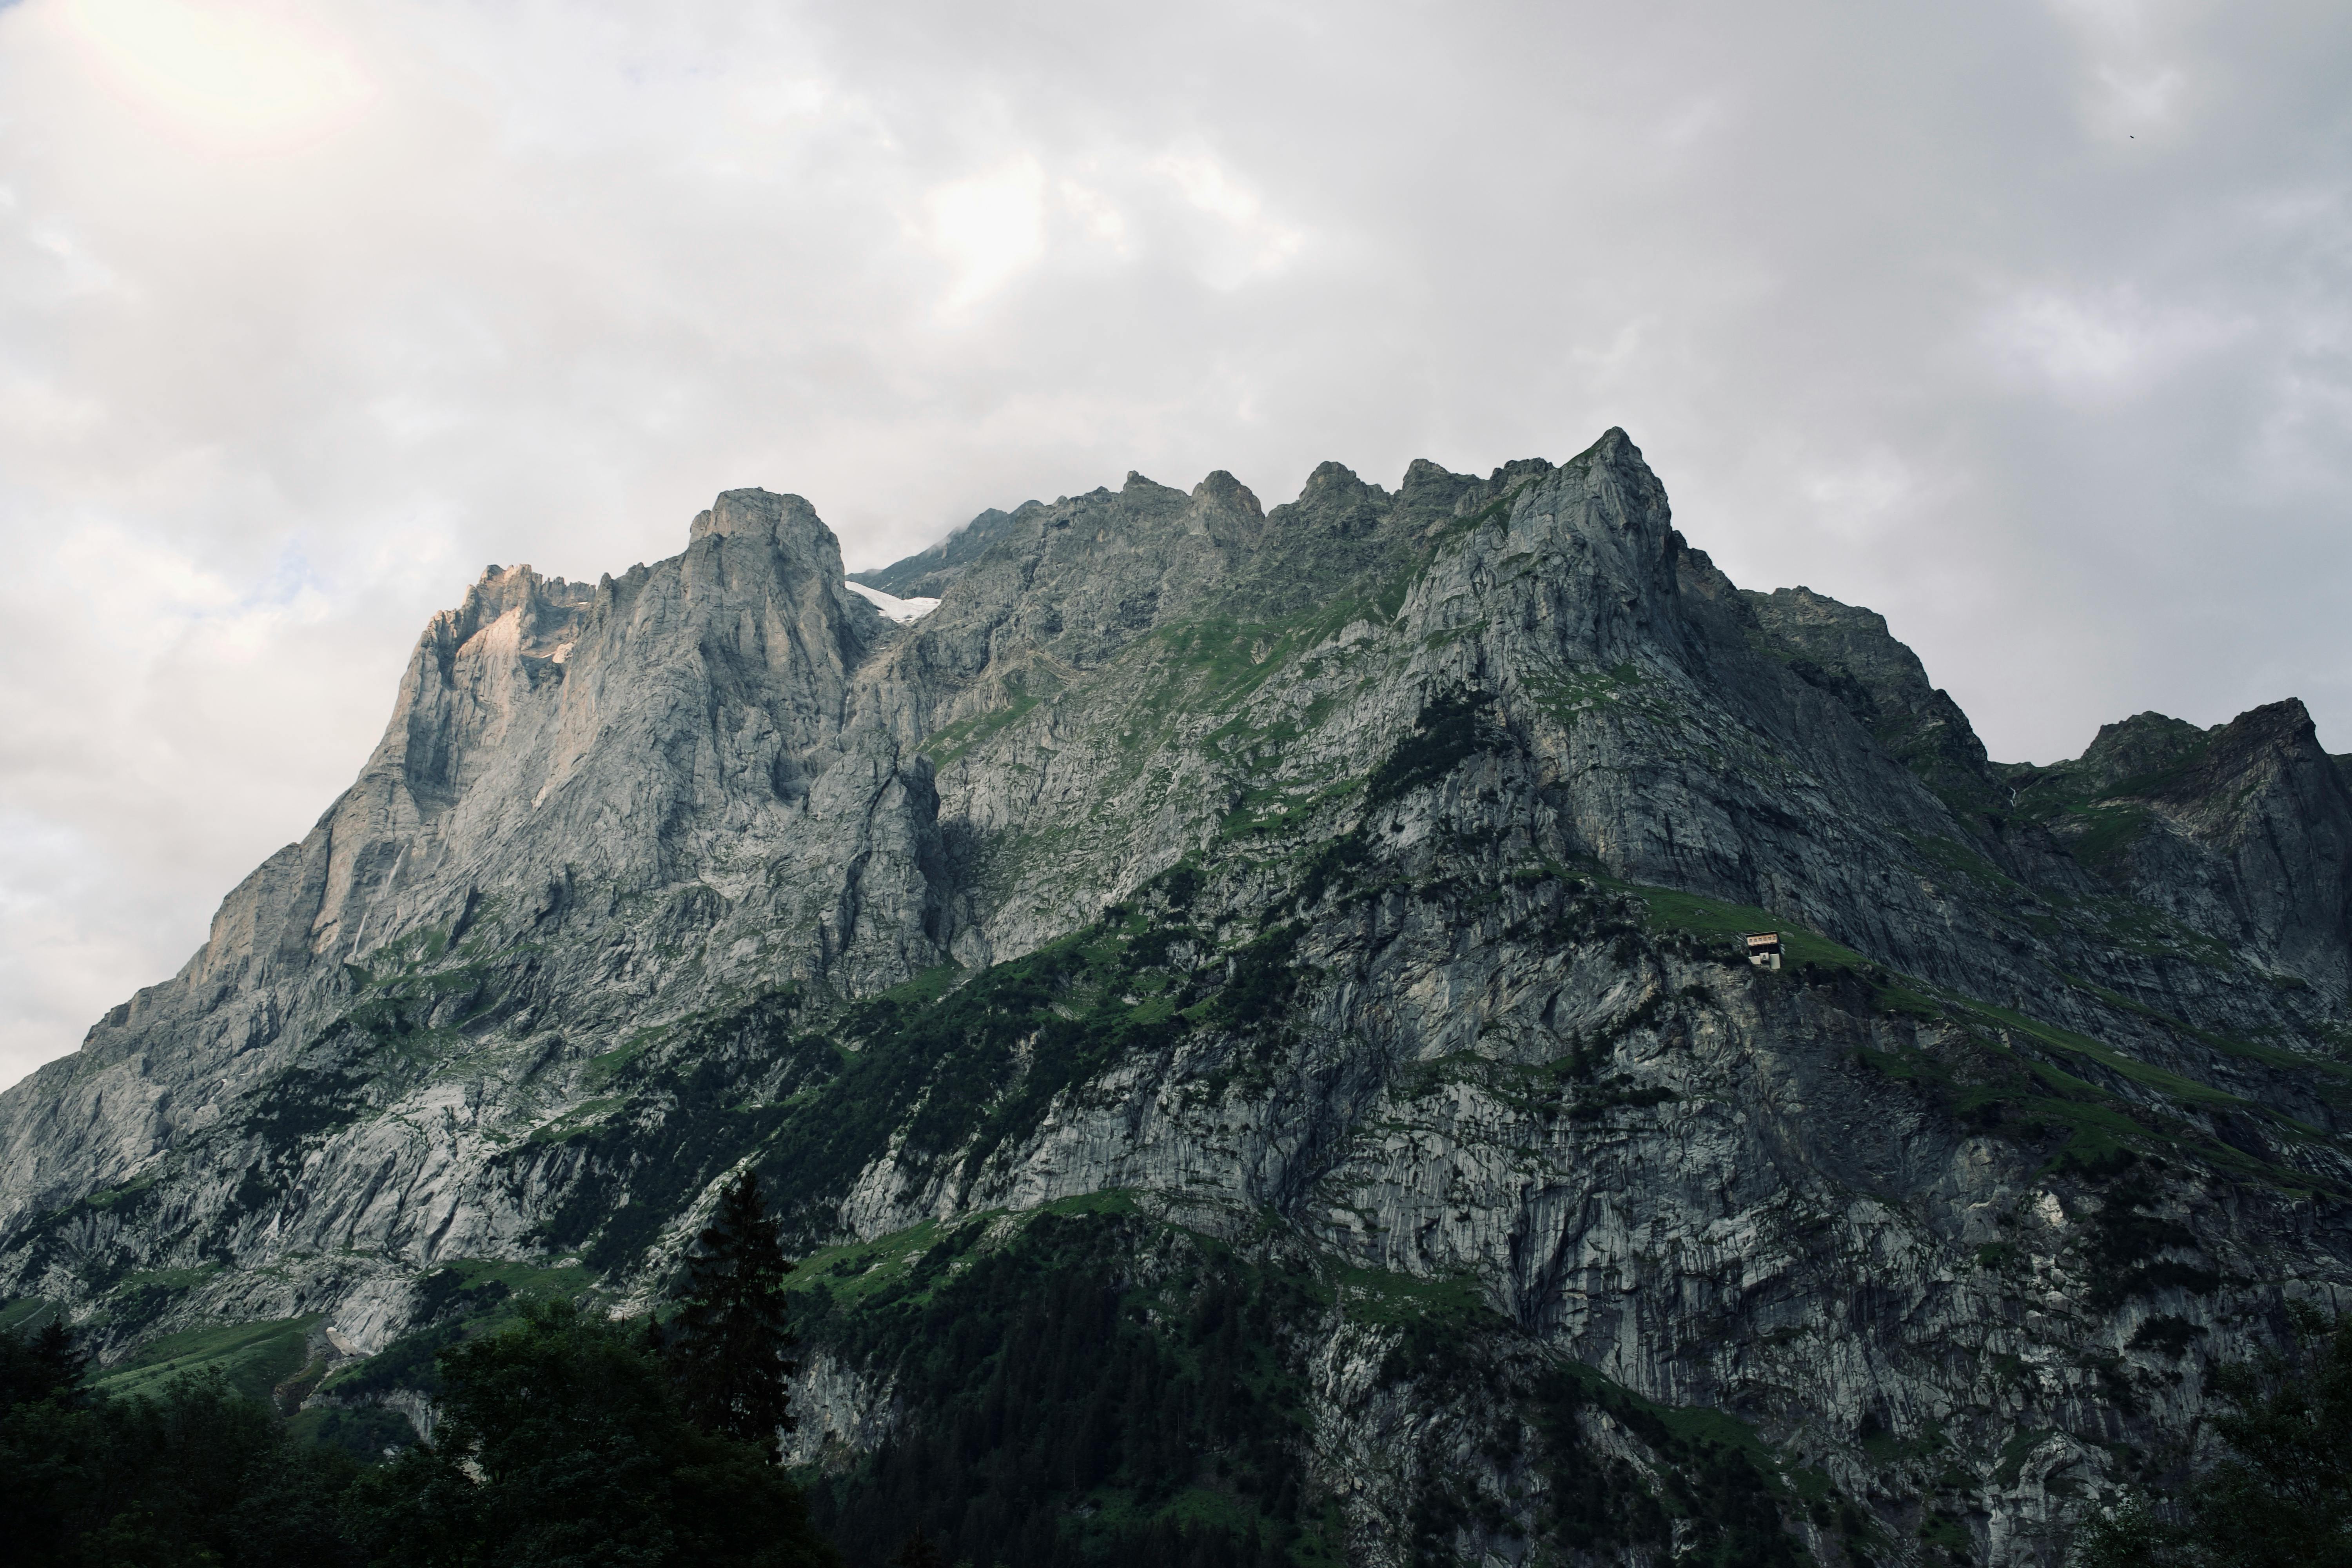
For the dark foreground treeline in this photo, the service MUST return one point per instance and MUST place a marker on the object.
(568, 1440)
(564, 1440)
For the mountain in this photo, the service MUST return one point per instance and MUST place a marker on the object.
(1246, 1017)
(927, 573)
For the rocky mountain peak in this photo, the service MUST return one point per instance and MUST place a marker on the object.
(760, 511)
(1220, 488)
(1330, 477)
(1352, 890)
(544, 612)
(2277, 734)
(1137, 484)
(1876, 675)
(926, 574)
(2132, 748)
(1428, 486)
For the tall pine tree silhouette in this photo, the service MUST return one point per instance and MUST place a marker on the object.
(729, 1346)
(43, 1366)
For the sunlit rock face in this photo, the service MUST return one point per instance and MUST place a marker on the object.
(1356, 887)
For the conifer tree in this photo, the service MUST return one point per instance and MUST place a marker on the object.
(42, 1365)
(729, 1346)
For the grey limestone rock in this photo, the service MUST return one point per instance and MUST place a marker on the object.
(1426, 822)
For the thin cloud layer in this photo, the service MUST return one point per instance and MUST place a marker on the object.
(2028, 325)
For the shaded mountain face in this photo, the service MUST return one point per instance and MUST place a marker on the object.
(927, 573)
(1262, 990)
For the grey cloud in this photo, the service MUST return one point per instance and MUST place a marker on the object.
(2025, 325)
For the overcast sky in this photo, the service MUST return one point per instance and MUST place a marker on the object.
(2027, 324)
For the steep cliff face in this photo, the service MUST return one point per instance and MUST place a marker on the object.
(2244, 830)
(1849, 653)
(1331, 913)
(592, 808)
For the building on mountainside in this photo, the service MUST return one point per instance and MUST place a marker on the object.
(1763, 949)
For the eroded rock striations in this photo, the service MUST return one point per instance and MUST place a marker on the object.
(1312, 931)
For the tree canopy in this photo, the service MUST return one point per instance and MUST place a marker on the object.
(562, 1442)
(729, 1347)
(193, 1474)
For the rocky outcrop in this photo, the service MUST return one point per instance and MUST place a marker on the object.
(927, 573)
(2243, 831)
(1362, 873)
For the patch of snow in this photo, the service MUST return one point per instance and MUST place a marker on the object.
(899, 610)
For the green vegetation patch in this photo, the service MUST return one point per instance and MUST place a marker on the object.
(2228, 1045)
(1385, 1297)
(1704, 916)
(253, 1357)
(2149, 932)
(1568, 694)
(125, 1193)
(26, 1313)
(1699, 915)
(950, 743)
(854, 1271)
(928, 987)
(1954, 859)
(2032, 1099)
(2069, 1043)
(577, 1119)
(139, 1298)
(554, 1281)
(2107, 834)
